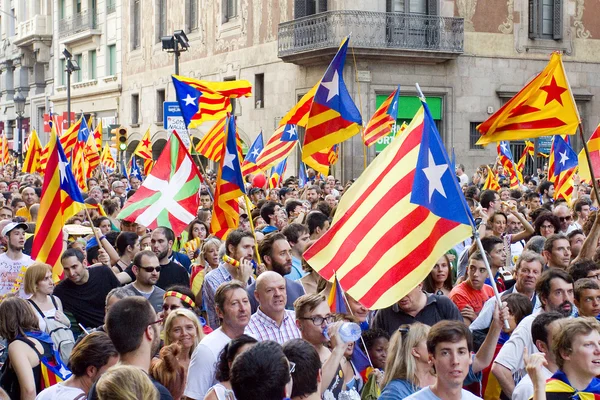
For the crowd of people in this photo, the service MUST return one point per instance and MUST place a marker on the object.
(154, 314)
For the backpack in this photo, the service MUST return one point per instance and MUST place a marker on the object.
(61, 335)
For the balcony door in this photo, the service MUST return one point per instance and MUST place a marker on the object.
(414, 29)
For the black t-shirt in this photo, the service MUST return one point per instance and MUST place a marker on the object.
(437, 308)
(172, 274)
(164, 393)
(86, 302)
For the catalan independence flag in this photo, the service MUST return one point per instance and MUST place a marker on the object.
(278, 147)
(333, 116)
(68, 140)
(506, 160)
(527, 151)
(61, 199)
(229, 188)
(383, 120)
(565, 166)
(249, 165)
(336, 301)
(403, 213)
(558, 387)
(202, 101)
(211, 144)
(277, 174)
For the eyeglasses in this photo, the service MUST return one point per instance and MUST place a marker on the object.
(563, 219)
(158, 321)
(150, 269)
(547, 226)
(597, 276)
(318, 320)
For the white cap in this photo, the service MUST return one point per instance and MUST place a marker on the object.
(10, 226)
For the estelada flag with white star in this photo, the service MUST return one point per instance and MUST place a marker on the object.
(565, 166)
(249, 165)
(394, 223)
(169, 195)
(333, 116)
(278, 147)
(229, 188)
(202, 101)
(545, 106)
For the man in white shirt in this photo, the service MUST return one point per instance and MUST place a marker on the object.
(545, 326)
(13, 262)
(462, 177)
(233, 308)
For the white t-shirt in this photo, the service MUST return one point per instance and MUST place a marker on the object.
(427, 394)
(60, 391)
(511, 353)
(9, 271)
(524, 389)
(464, 180)
(203, 364)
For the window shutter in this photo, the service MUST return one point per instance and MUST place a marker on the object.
(534, 19)
(388, 5)
(321, 6)
(432, 7)
(558, 17)
(299, 8)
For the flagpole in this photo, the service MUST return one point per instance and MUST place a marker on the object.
(475, 232)
(587, 156)
(252, 227)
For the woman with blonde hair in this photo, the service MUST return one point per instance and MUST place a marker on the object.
(39, 284)
(124, 382)
(168, 370)
(182, 327)
(407, 368)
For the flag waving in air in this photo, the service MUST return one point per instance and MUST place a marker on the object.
(230, 186)
(565, 166)
(169, 195)
(249, 165)
(491, 182)
(34, 154)
(333, 115)
(528, 150)
(277, 174)
(400, 216)
(383, 120)
(544, 107)
(107, 160)
(144, 150)
(593, 144)
(506, 160)
(5, 150)
(211, 144)
(279, 146)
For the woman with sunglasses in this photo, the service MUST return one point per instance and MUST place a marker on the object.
(407, 368)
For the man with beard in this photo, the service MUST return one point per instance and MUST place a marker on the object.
(171, 273)
(299, 239)
(555, 290)
(276, 253)
(146, 269)
(133, 327)
(13, 260)
(557, 251)
(233, 309)
(239, 245)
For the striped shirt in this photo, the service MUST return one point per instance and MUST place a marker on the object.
(262, 327)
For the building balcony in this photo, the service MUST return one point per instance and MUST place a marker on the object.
(78, 26)
(38, 28)
(376, 35)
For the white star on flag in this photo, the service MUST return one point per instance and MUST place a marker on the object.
(504, 147)
(434, 175)
(190, 100)
(292, 130)
(228, 162)
(62, 167)
(563, 158)
(255, 152)
(333, 86)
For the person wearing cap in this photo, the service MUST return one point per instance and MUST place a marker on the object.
(286, 193)
(14, 262)
(256, 194)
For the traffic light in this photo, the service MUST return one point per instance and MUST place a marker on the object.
(122, 139)
(113, 138)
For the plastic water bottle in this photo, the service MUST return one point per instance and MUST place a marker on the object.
(348, 331)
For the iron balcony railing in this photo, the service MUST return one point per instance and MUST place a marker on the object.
(77, 23)
(372, 30)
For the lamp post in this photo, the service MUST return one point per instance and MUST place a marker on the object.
(71, 66)
(19, 101)
(176, 44)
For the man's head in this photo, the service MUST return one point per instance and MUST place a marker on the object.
(29, 196)
(6, 213)
(449, 344)
(276, 253)
(513, 225)
(118, 187)
(587, 297)
(240, 245)
(146, 268)
(232, 305)
(413, 302)
(527, 271)
(557, 251)
(318, 224)
(532, 201)
(134, 182)
(313, 194)
(261, 372)
(205, 200)
(271, 294)
(494, 246)
(161, 240)
(74, 266)
(297, 236)
(576, 239)
(476, 271)
(581, 208)
(131, 324)
(564, 216)
(312, 316)
(584, 269)
(546, 189)
(307, 374)
(490, 200)
(555, 290)
(544, 327)
(15, 235)
(576, 348)
(93, 355)
(268, 212)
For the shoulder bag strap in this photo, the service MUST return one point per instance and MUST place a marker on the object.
(54, 302)
(37, 308)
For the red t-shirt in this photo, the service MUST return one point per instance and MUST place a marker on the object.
(464, 295)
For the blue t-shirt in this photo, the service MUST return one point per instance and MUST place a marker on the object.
(297, 271)
(397, 389)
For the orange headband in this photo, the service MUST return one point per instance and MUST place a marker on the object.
(183, 297)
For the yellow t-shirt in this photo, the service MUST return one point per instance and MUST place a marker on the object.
(24, 212)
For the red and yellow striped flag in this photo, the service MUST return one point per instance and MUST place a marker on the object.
(78, 165)
(211, 145)
(383, 120)
(593, 144)
(403, 213)
(491, 182)
(144, 150)
(97, 134)
(34, 154)
(106, 158)
(528, 150)
(5, 151)
(69, 138)
(91, 156)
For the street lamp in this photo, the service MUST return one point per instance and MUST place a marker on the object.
(19, 100)
(175, 44)
(71, 66)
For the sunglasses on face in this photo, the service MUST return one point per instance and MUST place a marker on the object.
(150, 269)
